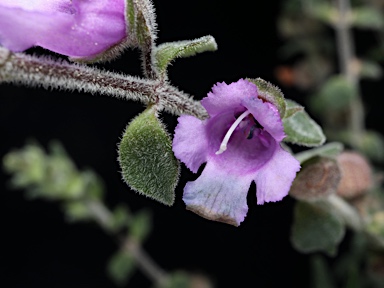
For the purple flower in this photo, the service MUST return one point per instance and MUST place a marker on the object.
(76, 28)
(240, 142)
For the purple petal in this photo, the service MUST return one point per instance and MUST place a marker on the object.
(228, 97)
(243, 155)
(267, 115)
(274, 179)
(78, 28)
(190, 142)
(218, 195)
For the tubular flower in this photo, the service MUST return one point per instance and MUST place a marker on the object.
(76, 28)
(240, 142)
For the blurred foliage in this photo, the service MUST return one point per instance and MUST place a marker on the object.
(320, 49)
(54, 176)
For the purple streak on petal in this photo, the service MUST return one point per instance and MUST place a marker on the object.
(274, 179)
(218, 195)
(243, 156)
(82, 29)
(228, 97)
(190, 142)
(267, 115)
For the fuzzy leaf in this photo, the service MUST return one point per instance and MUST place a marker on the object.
(302, 130)
(316, 228)
(120, 267)
(270, 93)
(140, 19)
(330, 150)
(167, 52)
(146, 158)
(292, 108)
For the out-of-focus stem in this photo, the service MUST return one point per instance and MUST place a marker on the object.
(346, 211)
(346, 55)
(103, 216)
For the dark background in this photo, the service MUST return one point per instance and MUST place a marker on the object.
(40, 249)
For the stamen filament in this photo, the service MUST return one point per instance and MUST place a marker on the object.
(223, 145)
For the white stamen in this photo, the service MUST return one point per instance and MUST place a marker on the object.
(223, 145)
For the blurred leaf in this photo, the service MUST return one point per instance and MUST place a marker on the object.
(367, 18)
(370, 70)
(76, 211)
(167, 52)
(321, 276)
(270, 93)
(328, 150)
(302, 130)
(141, 225)
(336, 94)
(121, 267)
(323, 11)
(146, 158)
(122, 218)
(292, 108)
(372, 145)
(178, 279)
(316, 228)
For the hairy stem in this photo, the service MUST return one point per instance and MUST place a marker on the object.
(35, 71)
(347, 57)
(103, 217)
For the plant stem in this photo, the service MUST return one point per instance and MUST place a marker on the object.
(347, 58)
(347, 212)
(103, 216)
(30, 70)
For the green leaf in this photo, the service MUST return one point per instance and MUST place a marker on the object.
(323, 11)
(302, 130)
(141, 24)
(367, 18)
(121, 267)
(167, 52)
(321, 276)
(316, 228)
(178, 279)
(76, 211)
(370, 70)
(146, 159)
(141, 225)
(330, 150)
(270, 93)
(122, 218)
(292, 108)
(335, 95)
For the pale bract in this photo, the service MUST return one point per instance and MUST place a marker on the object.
(240, 142)
(75, 28)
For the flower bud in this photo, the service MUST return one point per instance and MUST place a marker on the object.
(356, 175)
(318, 178)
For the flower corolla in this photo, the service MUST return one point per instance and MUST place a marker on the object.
(75, 28)
(240, 143)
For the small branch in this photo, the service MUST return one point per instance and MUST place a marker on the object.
(147, 265)
(103, 217)
(346, 55)
(35, 71)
